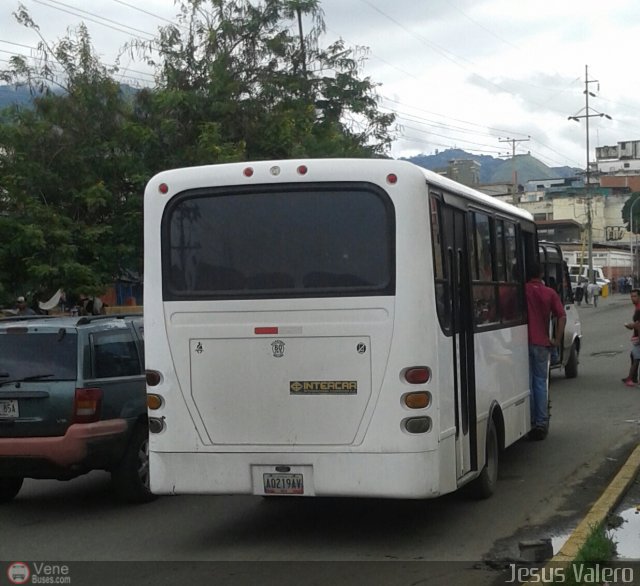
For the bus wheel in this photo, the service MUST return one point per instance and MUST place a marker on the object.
(131, 477)
(9, 488)
(484, 486)
(571, 369)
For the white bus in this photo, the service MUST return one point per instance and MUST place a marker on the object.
(332, 327)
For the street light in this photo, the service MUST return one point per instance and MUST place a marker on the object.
(586, 116)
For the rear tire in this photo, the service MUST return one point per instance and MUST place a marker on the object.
(131, 477)
(9, 488)
(571, 368)
(484, 486)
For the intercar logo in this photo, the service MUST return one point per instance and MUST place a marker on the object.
(18, 573)
(323, 387)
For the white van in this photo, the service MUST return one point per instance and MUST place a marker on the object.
(583, 270)
(556, 275)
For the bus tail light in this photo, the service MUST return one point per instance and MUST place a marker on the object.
(417, 375)
(153, 377)
(156, 424)
(154, 401)
(417, 424)
(86, 405)
(419, 400)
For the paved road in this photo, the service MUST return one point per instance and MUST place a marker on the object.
(544, 488)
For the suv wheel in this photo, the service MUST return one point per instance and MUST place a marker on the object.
(131, 477)
(9, 488)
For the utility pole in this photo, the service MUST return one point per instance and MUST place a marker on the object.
(588, 195)
(514, 173)
(303, 50)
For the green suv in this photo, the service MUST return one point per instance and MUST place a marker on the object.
(72, 400)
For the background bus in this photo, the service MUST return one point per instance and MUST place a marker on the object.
(332, 327)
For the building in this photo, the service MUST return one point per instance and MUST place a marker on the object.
(562, 208)
(619, 166)
(465, 171)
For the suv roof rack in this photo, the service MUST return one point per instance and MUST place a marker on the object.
(87, 319)
(25, 317)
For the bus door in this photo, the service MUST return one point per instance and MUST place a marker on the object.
(457, 252)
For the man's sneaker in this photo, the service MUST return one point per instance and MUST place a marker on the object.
(630, 383)
(538, 433)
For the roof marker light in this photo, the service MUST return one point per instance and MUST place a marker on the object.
(163, 188)
(248, 171)
(392, 178)
(302, 170)
(275, 170)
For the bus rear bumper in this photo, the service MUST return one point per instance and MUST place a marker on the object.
(403, 476)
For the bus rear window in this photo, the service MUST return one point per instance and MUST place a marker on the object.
(279, 242)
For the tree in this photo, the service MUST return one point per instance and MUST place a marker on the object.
(634, 226)
(71, 188)
(233, 83)
(231, 70)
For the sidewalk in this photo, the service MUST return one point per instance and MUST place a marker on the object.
(606, 504)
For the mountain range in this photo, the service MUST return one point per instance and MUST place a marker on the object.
(494, 170)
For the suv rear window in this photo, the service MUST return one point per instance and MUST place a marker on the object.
(279, 241)
(24, 354)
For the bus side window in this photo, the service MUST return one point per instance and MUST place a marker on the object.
(443, 304)
(485, 290)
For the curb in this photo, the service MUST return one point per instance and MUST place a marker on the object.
(609, 499)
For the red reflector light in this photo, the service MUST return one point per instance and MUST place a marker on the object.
(153, 377)
(392, 178)
(270, 330)
(86, 406)
(163, 188)
(417, 375)
(248, 172)
(302, 170)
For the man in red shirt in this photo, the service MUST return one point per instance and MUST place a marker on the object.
(542, 303)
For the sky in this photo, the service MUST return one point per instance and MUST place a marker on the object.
(485, 76)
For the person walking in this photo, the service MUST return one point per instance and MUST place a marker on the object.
(632, 378)
(594, 291)
(585, 287)
(542, 303)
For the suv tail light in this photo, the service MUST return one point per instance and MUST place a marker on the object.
(86, 406)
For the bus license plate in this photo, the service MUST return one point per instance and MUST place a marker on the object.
(283, 484)
(9, 408)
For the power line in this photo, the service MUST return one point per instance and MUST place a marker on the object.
(146, 12)
(59, 70)
(116, 28)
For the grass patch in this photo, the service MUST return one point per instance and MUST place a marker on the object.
(598, 550)
(599, 546)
